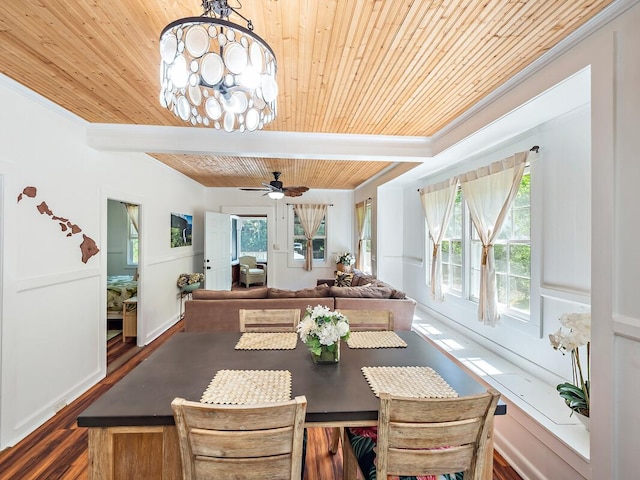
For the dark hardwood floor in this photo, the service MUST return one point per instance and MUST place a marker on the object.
(58, 449)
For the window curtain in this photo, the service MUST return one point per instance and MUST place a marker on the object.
(489, 192)
(132, 211)
(360, 219)
(310, 218)
(437, 202)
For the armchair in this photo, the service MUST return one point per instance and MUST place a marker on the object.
(251, 272)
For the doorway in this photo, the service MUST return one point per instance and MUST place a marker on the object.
(123, 253)
(249, 237)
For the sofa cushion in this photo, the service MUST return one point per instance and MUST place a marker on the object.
(316, 292)
(361, 292)
(281, 293)
(343, 279)
(399, 294)
(202, 294)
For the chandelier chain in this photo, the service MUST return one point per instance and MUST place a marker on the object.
(222, 9)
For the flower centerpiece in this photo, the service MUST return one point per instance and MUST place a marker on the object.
(321, 330)
(190, 281)
(344, 261)
(575, 333)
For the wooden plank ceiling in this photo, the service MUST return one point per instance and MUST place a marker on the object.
(381, 67)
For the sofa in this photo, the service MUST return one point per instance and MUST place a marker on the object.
(218, 310)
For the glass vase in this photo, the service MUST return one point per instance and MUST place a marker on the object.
(328, 354)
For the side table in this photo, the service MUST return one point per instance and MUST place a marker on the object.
(129, 318)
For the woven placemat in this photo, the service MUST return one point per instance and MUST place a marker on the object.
(246, 387)
(267, 341)
(418, 382)
(383, 339)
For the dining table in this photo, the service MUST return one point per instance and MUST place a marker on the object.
(131, 428)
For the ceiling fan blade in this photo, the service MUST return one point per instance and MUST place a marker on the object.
(294, 193)
(270, 187)
(300, 189)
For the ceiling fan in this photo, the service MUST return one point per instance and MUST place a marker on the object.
(276, 190)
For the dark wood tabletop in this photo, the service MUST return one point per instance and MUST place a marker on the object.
(186, 364)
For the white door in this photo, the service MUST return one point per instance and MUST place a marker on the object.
(217, 251)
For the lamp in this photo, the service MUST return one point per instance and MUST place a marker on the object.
(216, 73)
(276, 195)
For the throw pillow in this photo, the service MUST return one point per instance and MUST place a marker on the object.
(343, 279)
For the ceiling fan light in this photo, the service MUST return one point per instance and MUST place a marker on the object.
(220, 59)
(276, 195)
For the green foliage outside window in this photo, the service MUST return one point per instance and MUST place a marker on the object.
(300, 241)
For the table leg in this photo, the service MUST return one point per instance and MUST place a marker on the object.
(134, 452)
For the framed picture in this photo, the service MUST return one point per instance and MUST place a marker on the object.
(181, 227)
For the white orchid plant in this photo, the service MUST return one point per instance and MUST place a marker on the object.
(320, 327)
(575, 333)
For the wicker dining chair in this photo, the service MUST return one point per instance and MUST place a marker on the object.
(269, 320)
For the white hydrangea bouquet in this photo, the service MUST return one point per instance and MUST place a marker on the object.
(345, 258)
(321, 330)
(575, 333)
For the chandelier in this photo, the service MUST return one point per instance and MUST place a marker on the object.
(216, 73)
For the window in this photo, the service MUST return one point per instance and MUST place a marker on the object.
(512, 253)
(366, 242)
(452, 250)
(132, 244)
(253, 237)
(319, 242)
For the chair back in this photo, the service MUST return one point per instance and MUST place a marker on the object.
(434, 436)
(369, 320)
(240, 441)
(269, 320)
(251, 262)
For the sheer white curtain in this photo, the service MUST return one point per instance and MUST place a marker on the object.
(437, 202)
(489, 192)
(132, 211)
(360, 219)
(310, 218)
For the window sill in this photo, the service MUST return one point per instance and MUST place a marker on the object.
(537, 399)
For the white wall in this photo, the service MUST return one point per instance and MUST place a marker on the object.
(53, 317)
(282, 271)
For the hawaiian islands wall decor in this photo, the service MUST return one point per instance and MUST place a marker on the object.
(181, 226)
(88, 246)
